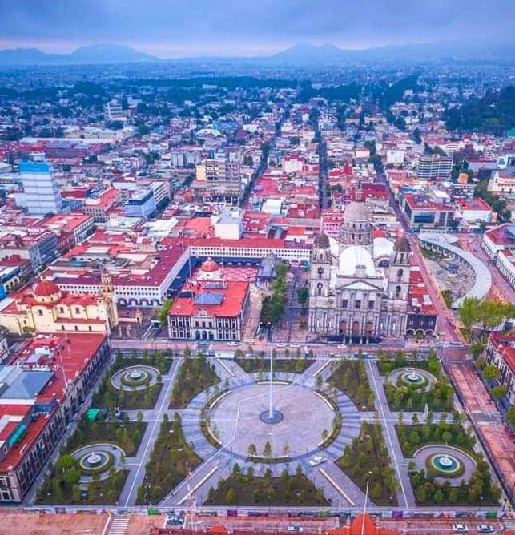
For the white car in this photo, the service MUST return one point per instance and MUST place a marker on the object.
(460, 528)
(317, 459)
(234, 343)
(485, 528)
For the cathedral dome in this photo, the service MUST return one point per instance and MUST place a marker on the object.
(321, 241)
(355, 257)
(382, 247)
(357, 212)
(209, 266)
(46, 292)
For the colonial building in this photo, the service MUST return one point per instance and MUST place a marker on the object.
(210, 307)
(42, 389)
(500, 352)
(45, 308)
(351, 297)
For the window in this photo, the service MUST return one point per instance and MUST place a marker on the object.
(40, 312)
(345, 303)
(370, 305)
(77, 310)
(76, 327)
(357, 303)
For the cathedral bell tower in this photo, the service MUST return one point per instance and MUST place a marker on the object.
(320, 274)
(109, 298)
(399, 272)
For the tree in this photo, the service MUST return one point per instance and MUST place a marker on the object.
(510, 415)
(416, 136)
(302, 295)
(162, 315)
(76, 493)
(468, 313)
(267, 449)
(498, 391)
(491, 373)
(252, 451)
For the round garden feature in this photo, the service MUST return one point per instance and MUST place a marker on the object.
(414, 377)
(445, 463)
(98, 460)
(138, 377)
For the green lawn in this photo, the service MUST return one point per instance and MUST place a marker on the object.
(351, 377)
(413, 437)
(61, 486)
(245, 489)
(196, 374)
(258, 364)
(169, 463)
(368, 453)
(109, 397)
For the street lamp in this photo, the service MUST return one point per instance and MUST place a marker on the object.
(369, 473)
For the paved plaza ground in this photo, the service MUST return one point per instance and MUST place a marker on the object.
(306, 416)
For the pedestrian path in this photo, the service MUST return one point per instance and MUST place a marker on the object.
(119, 524)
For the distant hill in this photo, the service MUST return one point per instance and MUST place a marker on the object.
(109, 54)
(93, 54)
(305, 54)
(495, 113)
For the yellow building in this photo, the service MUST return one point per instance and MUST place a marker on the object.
(45, 308)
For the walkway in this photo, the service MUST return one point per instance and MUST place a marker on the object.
(483, 280)
(405, 495)
(154, 417)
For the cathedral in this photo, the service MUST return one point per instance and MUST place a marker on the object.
(358, 284)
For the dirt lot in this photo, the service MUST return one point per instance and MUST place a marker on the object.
(12, 523)
(51, 524)
(141, 524)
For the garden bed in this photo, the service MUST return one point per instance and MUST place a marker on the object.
(367, 459)
(196, 374)
(171, 460)
(240, 489)
(351, 377)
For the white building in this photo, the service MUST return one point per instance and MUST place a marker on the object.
(114, 112)
(40, 192)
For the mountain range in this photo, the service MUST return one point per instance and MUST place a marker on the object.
(92, 54)
(298, 55)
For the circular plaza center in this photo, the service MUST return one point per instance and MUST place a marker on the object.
(237, 420)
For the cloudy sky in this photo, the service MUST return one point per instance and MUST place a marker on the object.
(172, 28)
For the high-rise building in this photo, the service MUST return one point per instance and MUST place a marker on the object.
(434, 167)
(41, 194)
(114, 112)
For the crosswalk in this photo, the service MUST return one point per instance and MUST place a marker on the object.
(119, 525)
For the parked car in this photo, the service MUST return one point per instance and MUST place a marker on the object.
(485, 528)
(317, 459)
(460, 528)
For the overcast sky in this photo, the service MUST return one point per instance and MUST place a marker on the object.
(171, 28)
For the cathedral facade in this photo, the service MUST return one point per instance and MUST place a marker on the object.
(358, 285)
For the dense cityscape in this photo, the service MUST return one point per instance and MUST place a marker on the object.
(256, 296)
